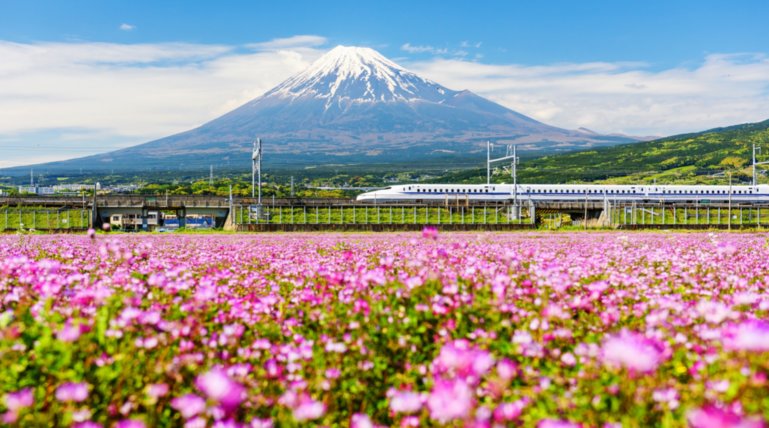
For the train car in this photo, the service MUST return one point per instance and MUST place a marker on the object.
(133, 221)
(565, 192)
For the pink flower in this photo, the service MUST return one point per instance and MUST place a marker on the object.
(260, 423)
(506, 412)
(752, 335)
(18, 400)
(450, 400)
(463, 359)
(713, 417)
(430, 232)
(309, 409)
(568, 359)
(632, 351)
(189, 405)
(14, 402)
(273, 368)
(91, 233)
(68, 333)
(219, 387)
(405, 402)
(157, 390)
(76, 392)
(506, 369)
(360, 420)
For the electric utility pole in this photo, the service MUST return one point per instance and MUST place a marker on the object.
(256, 169)
(755, 149)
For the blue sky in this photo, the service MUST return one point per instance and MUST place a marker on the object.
(662, 33)
(80, 77)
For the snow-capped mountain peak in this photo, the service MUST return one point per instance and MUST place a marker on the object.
(352, 105)
(349, 74)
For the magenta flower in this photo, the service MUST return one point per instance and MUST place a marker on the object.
(219, 387)
(751, 335)
(632, 351)
(430, 232)
(556, 423)
(130, 423)
(69, 391)
(450, 400)
(713, 417)
(87, 424)
(189, 405)
(405, 402)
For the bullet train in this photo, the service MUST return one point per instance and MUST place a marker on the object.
(565, 192)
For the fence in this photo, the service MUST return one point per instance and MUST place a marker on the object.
(692, 214)
(359, 214)
(26, 218)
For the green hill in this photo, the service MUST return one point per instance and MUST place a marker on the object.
(687, 158)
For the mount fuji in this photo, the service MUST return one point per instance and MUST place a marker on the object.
(352, 105)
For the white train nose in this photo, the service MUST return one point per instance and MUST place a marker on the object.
(368, 196)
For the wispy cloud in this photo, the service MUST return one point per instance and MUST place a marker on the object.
(127, 27)
(417, 49)
(300, 41)
(624, 97)
(462, 51)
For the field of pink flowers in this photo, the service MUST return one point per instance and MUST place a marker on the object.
(485, 330)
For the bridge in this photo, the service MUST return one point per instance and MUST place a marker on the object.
(68, 213)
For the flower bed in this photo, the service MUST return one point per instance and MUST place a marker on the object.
(393, 330)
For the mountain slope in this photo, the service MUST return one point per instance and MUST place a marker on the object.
(351, 105)
(681, 158)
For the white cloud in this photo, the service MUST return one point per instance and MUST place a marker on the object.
(127, 27)
(301, 41)
(408, 47)
(725, 89)
(95, 97)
